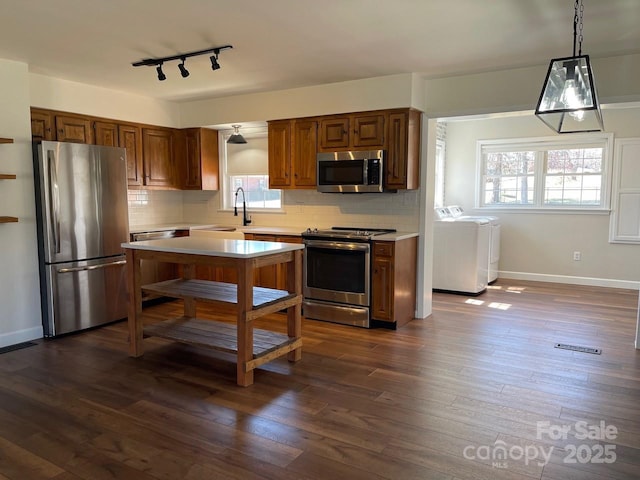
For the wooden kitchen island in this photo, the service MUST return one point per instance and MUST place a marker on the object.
(253, 347)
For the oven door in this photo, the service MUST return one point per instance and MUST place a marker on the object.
(337, 271)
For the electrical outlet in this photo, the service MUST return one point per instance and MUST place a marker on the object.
(577, 256)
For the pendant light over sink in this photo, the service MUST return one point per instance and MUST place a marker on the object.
(236, 137)
(568, 102)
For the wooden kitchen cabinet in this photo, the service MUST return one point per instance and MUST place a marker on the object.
(42, 125)
(200, 162)
(157, 155)
(106, 133)
(305, 146)
(61, 126)
(294, 143)
(74, 128)
(129, 137)
(393, 281)
(273, 276)
(352, 132)
(292, 153)
(150, 155)
(279, 140)
(402, 169)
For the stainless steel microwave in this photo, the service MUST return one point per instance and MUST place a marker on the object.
(350, 172)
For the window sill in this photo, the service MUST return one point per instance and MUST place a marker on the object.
(548, 210)
(253, 211)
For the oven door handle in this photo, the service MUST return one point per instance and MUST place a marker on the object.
(364, 247)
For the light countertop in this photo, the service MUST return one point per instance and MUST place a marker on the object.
(214, 247)
(264, 230)
(395, 237)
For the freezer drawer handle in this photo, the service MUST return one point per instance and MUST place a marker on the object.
(92, 267)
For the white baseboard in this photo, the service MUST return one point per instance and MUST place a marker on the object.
(26, 335)
(595, 282)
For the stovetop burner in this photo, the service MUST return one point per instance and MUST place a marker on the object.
(348, 233)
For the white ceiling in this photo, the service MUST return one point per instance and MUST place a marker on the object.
(280, 44)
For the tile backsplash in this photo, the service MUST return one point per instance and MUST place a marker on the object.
(149, 207)
(301, 208)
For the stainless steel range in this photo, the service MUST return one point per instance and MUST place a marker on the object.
(337, 274)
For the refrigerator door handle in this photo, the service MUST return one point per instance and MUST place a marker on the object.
(92, 267)
(54, 198)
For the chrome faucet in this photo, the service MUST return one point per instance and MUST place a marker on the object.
(246, 220)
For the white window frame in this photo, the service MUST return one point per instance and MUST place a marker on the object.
(223, 136)
(542, 144)
(441, 153)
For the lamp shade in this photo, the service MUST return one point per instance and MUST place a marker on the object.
(568, 102)
(236, 137)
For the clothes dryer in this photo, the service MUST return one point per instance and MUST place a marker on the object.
(461, 255)
(456, 212)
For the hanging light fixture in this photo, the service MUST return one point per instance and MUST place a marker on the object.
(236, 137)
(568, 102)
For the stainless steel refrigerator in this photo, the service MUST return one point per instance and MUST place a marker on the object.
(82, 218)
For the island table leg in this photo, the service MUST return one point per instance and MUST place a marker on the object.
(135, 304)
(245, 326)
(189, 273)
(294, 314)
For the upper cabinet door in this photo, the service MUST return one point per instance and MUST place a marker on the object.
(334, 133)
(157, 148)
(280, 154)
(403, 150)
(368, 131)
(74, 129)
(130, 137)
(106, 134)
(42, 125)
(305, 145)
(201, 163)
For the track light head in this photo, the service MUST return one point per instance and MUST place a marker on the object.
(183, 71)
(161, 75)
(214, 62)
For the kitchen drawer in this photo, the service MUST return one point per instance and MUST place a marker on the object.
(381, 249)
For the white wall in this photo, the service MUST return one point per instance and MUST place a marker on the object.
(393, 91)
(20, 318)
(57, 94)
(540, 246)
(519, 89)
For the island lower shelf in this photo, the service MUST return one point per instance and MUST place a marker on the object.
(265, 300)
(267, 345)
(223, 336)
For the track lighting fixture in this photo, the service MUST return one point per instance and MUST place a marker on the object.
(183, 71)
(236, 137)
(161, 75)
(157, 62)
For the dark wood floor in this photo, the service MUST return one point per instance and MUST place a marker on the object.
(436, 399)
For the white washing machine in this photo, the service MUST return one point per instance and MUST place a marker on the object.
(461, 254)
(494, 239)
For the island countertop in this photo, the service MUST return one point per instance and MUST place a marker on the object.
(214, 246)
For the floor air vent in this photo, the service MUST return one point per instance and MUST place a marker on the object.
(576, 348)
